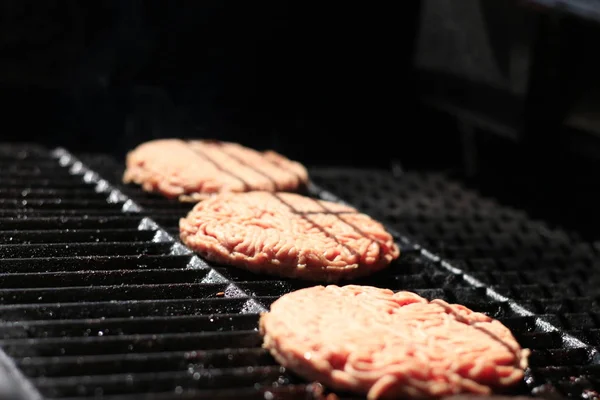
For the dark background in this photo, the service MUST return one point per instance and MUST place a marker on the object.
(502, 93)
(322, 83)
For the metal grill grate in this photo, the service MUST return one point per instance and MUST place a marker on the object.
(99, 300)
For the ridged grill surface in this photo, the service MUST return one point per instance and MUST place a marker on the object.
(97, 299)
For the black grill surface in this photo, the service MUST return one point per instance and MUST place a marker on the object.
(99, 298)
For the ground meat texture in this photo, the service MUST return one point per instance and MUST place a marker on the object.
(371, 341)
(194, 170)
(288, 235)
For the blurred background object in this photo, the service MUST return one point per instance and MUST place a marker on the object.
(295, 77)
(503, 93)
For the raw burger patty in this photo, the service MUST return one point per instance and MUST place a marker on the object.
(194, 170)
(371, 341)
(289, 235)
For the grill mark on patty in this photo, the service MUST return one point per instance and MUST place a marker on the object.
(464, 320)
(253, 168)
(301, 213)
(354, 227)
(205, 156)
(313, 223)
(328, 212)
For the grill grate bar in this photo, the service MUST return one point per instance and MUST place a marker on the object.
(56, 203)
(121, 277)
(9, 251)
(195, 341)
(101, 339)
(245, 377)
(122, 292)
(127, 326)
(51, 193)
(76, 236)
(30, 213)
(287, 392)
(70, 222)
(145, 362)
(125, 308)
(27, 183)
(98, 263)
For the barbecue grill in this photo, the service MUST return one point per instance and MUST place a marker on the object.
(100, 299)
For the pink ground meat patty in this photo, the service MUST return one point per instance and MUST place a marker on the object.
(288, 235)
(194, 170)
(371, 341)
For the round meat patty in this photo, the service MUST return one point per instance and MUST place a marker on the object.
(194, 170)
(371, 341)
(289, 235)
